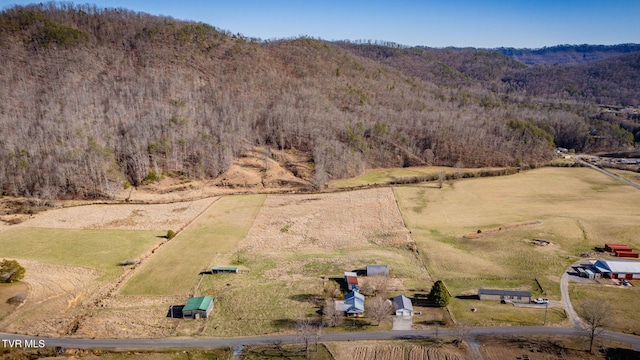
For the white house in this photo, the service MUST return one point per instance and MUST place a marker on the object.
(403, 306)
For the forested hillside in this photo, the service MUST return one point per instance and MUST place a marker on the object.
(97, 99)
(568, 54)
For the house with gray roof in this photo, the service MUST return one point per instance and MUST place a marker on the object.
(403, 306)
(505, 295)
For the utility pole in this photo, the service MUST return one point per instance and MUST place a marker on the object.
(546, 307)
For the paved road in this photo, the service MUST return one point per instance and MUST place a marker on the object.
(348, 336)
(566, 301)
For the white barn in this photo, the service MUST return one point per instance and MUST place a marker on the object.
(619, 269)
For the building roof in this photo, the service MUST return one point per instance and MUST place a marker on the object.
(198, 303)
(504, 292)
(352, 280)
(349, 273)
(402, 302)
(377, 270)
(619, 266)
(224, 268)
(354, 303)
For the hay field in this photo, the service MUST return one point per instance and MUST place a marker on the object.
(210, 240)
(121, 216)
(353, 219)
(575, 209)
(102, 250)
(295, 240)
(622, 300)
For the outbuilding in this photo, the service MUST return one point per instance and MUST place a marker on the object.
(377, 270)
(505, 295)
(619, 269)
(198, 307)
(616, 247)
(224, 270)
(351, 279)
(403, 306)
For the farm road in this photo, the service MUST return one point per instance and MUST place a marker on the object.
(76, 343)
(578, 158)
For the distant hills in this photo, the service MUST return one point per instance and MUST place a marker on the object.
(568, 54)
(95, 100)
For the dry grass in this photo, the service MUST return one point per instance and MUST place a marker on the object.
(388, 349)
(55, 295)
(623, 301)
(578, 210)
(121, 216)
(355, 219)
(210, 240)
(102, 250)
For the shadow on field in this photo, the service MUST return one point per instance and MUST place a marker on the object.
(313, 299)
(621, 354)
(287, 324)
(468, 297)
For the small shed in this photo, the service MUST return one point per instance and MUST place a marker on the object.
(403, 306)
(628, 254)
(616, 247)
(198, 307)
(377, 270)
(351, 279)
(224, 270)
(506, 295)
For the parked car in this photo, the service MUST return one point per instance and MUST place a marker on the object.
(540, 301)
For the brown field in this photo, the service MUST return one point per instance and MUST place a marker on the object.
(548, 347)
(55, 295)
(121, 216)
(354, 219)
(392, 350)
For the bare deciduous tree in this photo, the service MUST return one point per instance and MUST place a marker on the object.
(380, 309)
(596, 317)
(331, 316)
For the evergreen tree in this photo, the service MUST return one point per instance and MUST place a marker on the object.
(439, 294)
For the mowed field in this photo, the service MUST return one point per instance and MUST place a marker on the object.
(478, 232)
(210, 240)
(294, 242)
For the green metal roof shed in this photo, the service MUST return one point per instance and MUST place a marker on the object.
(198, 307)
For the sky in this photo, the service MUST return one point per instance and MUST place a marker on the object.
(433, 23)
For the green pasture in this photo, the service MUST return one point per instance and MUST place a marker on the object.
(623, 302)
(576, 209)
(103, 250)
(212, 237)
(280, 288)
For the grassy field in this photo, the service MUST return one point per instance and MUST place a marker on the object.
(282, 287)
(103, 250)
(209, 240)
(623, 302)
(388, 176)
(575, 209)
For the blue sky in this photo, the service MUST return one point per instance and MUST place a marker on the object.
(436, 23)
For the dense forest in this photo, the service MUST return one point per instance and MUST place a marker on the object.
(96, 99)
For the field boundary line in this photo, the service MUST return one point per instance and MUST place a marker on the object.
(111, 288)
